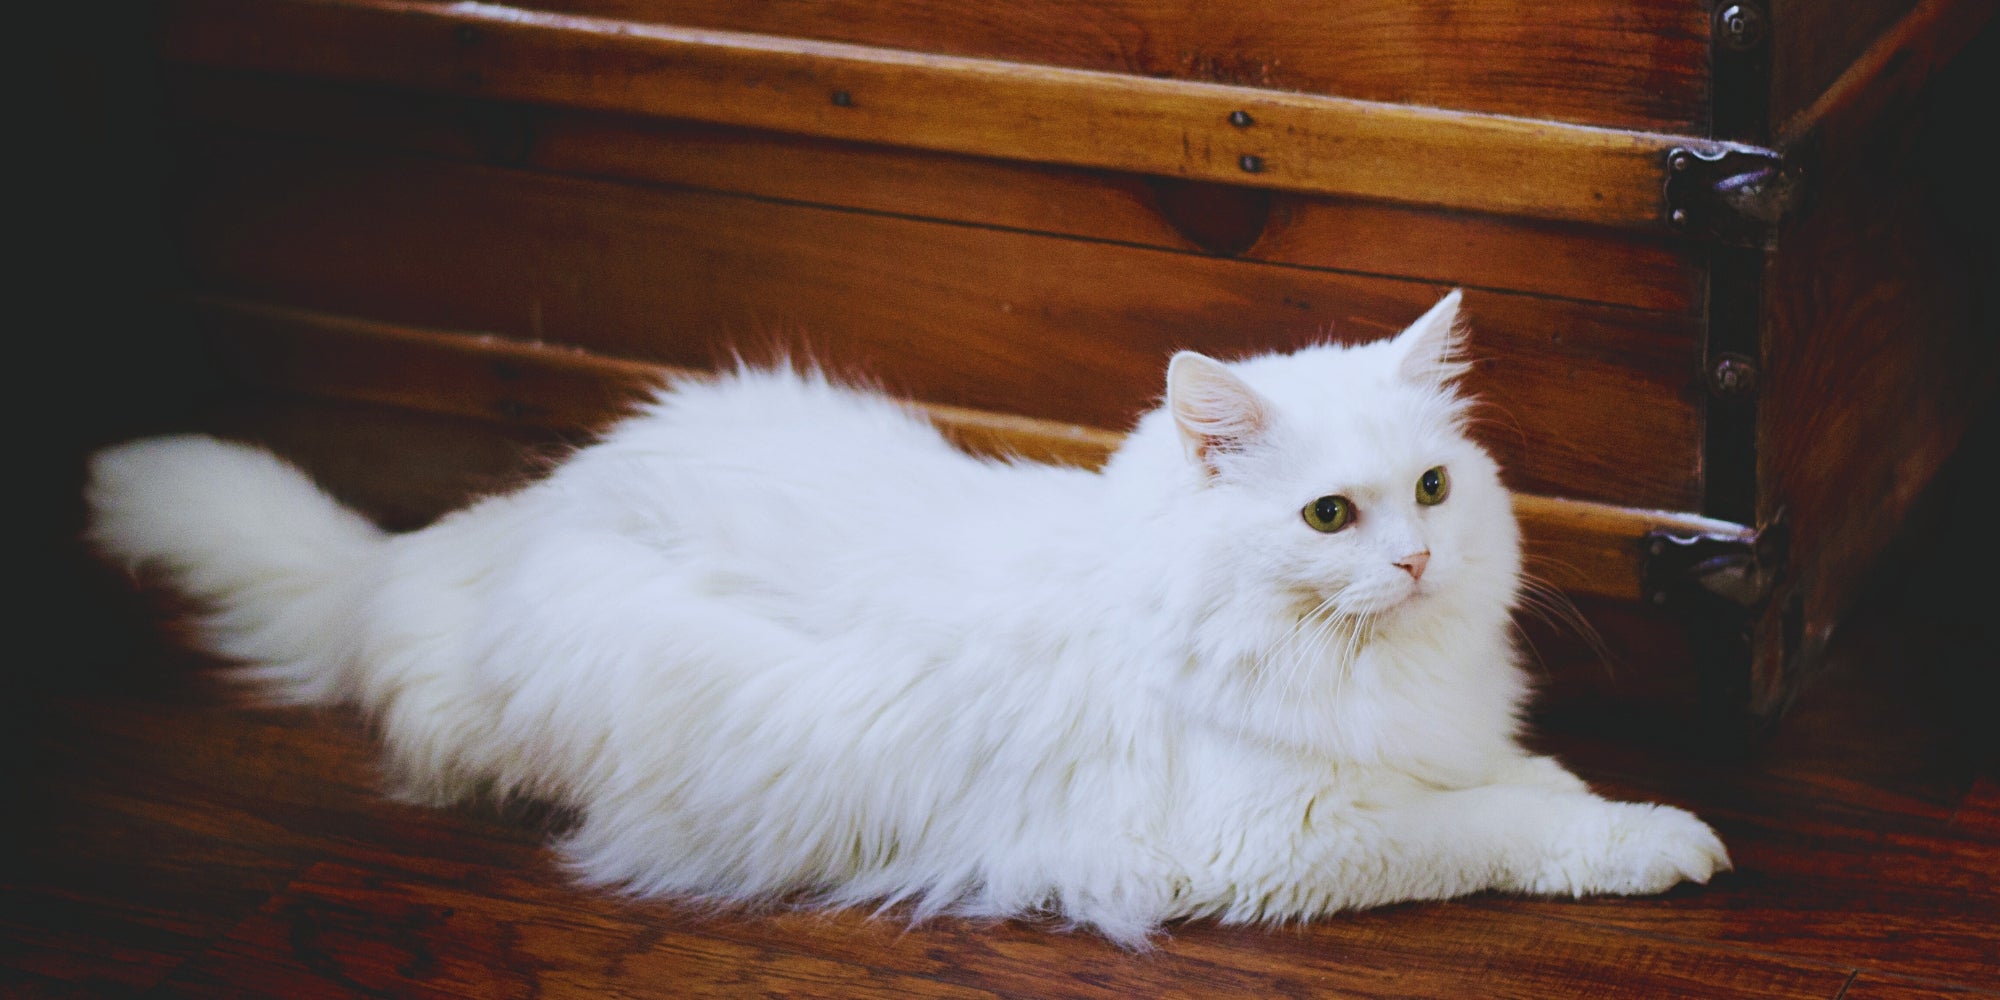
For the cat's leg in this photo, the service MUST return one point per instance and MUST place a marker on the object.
(1540, 832)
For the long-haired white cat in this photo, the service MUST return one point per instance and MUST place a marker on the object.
(773, 638)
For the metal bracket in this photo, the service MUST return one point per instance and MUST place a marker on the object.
(1732, 195)
(1719, 586)
(1689, 570)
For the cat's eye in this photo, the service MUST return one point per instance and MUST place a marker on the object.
(1329, 514)
(1433, 486)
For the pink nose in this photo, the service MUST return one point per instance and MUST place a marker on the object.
(1414, 564)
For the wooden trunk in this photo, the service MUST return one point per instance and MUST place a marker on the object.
(1725, 320)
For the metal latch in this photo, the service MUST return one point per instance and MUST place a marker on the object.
(1733, 195)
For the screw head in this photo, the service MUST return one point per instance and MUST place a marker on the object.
(1741, 26)
(1250, 163)
(843, 99)
(1733, 375)
(1678, 217)
(1241, 119)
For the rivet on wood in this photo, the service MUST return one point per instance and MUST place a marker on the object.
(1733, 375)
(1250, 163)
(1241, 119)
(843, 99)
(1740, 26)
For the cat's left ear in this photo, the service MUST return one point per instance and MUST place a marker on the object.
(1216, 412)
(1432, 346)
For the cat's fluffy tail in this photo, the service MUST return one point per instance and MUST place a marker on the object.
(279, 567)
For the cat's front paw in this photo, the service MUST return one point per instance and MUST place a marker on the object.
(1629, 849)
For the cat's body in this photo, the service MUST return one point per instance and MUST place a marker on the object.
(776, 638)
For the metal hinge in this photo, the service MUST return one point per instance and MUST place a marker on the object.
(1732, 195)
(1690, 570)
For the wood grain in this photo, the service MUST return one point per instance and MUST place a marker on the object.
(1604, 62)
(339, 930)
(1880, 328)
(1472, 162)
(1576, 546)
(1874, 986)
(995, 320)
(350, 929)
(1577, 262)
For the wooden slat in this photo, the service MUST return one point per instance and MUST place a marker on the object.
(1586, 548)
(1586, 263)
(1390, 152)
(998, 320)
(1618, 63)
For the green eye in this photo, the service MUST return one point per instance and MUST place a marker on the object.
(1433, 486)
(1329, 514)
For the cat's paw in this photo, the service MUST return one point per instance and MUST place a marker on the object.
(1629, 849)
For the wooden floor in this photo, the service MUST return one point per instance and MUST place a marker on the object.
(172, 843)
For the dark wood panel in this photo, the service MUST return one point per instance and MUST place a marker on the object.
(1578, 262)
(1883, 334)
(1868, 98)
(1812, 44)
(1403, 153)
(1622, 63)
(1002, 321)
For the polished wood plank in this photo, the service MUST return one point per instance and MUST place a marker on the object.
(1607, 62)
(1578, 262)
(1262, 138)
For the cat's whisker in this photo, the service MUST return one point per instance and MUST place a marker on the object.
(1553, 608)
(1293, 654)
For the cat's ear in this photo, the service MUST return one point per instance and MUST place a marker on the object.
(1432, 345)
(1216, 411)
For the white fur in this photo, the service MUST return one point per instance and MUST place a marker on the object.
(775, 638)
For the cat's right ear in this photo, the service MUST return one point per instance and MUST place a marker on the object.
(1216, 411)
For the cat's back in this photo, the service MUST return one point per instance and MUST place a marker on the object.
(771, 461)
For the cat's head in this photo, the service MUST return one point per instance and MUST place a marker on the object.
(1346, 477)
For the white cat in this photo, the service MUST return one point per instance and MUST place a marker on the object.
(774, 638)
